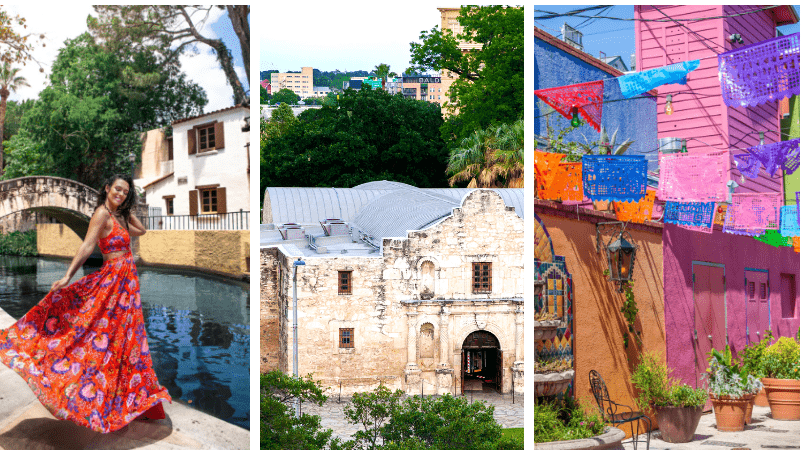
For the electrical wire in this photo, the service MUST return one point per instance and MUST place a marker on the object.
(688, 30)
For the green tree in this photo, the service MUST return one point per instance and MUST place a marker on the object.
(371, 410)
(264, 98)
(383, 71)
(490, 158)
(281, 119)
(280, 429)
(86, 122)
(14, 114)
(10, 81)
(368, 136)
(171, 30)
(489, 87)
(285, 96)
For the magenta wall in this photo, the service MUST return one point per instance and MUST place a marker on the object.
(736, 253)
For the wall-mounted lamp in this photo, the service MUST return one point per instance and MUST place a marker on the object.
(619, 249)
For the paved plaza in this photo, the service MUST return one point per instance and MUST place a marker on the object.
(763, 433)
(508, 414)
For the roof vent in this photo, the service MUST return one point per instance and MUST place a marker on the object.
(291, 231)
(335, 227)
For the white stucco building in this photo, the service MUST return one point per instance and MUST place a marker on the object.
(202, 170)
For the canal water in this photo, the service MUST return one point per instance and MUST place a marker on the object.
(198, 328)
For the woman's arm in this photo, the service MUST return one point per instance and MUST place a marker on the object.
(98, 223)
(136, 228)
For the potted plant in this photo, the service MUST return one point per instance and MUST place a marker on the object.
(752, 360)
(677, 407)
(563, 419)
(780, 365)
(551, 377)
(731, 388)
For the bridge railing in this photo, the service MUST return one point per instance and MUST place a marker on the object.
(238, 220)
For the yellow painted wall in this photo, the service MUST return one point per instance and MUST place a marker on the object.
(56, 239)
(219, 251)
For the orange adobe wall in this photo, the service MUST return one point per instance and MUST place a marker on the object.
(598, 324)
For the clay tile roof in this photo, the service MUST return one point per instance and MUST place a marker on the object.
(186, 119)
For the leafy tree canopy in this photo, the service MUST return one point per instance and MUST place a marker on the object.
(284, 96)
(489, 87)
(171, 30)
(87, 121)
(370, 135)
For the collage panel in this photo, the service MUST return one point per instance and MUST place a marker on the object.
(125, 227)
(392, 234)
(666, 262)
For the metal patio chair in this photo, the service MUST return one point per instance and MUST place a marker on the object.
(610, 409)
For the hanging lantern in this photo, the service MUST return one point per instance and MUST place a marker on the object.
(683, 145)
(669, 105)
(620, 253)
(575, 122)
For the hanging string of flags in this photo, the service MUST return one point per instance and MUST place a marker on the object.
(635, 84)
(570, 101)
(761, 72)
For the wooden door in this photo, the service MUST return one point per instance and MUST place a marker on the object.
(708, 286)
(757, 304)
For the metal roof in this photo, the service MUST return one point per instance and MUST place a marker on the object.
(380, 209)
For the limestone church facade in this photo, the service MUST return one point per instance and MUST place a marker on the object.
(417, 289)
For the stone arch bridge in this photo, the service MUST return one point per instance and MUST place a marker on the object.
(68, 201)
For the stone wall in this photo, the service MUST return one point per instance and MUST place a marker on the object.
(219, 252)
(269, 309)
(425, 278)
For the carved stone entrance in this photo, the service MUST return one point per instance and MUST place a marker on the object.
(481, 362)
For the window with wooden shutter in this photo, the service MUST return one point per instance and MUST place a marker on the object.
(208, 200)
(192, 202)
(192, 141)
(482, 278)
(207, 136)
(344, 282)
(219, 135)
(222, 206)
(346, 338)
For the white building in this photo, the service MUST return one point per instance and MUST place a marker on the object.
(199, 173)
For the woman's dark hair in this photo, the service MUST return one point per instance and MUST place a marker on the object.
(128, 202)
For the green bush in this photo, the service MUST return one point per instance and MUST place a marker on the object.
(781, 360)
(563, 420)
(728, 377)
(752, 355)
(656, 388)
(19, 243)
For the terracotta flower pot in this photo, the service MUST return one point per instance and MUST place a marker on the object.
(761, 399)
(729, 413)
(678, 423)
(783, 396)
(749, 410)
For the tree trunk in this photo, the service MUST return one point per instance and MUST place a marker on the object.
(238, 15)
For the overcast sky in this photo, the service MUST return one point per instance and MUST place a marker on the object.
(342, 36)
(62, 21)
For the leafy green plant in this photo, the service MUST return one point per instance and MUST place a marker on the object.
(19, 243)
(651, 378)
(753, 353)
(728, 377)
(564, 419)
(630, 311)
(552, 365)
(781, 360)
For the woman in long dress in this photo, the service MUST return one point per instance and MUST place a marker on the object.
(83, 348)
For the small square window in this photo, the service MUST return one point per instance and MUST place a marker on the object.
(346, 338)
(207, 138)
(482, 278)
(344, 282)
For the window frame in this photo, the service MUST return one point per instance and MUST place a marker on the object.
(350, 336)
(213, 201)
(345, 288)
(211, 137)
(482, 275)
(169, 201)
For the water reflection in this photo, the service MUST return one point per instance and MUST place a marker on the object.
(198, 329)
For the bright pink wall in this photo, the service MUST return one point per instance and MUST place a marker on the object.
(736, 253)
(700, 112)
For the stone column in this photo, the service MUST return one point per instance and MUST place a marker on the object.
(444, 372)
(518, 366)
(412, 372)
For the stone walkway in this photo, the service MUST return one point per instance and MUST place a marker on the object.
(507, 414)
(26, 424)
(763, 433)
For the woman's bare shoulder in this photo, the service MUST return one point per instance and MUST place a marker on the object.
(101, 214)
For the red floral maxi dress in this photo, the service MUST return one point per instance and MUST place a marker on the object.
(83, 348)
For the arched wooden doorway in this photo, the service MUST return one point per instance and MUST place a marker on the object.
(481, 362)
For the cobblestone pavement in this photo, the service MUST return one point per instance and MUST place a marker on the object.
(508, 414)
(763, 433)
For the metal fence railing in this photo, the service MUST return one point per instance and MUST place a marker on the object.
(238, 220)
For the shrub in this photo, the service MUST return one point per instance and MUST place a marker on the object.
(656, 388)
(752, 355)
(781, 360)
(728, 377)
(19, 243)
(563, 420)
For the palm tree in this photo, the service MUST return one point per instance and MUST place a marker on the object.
(383, 71)
(490, 158)
(9, 82)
